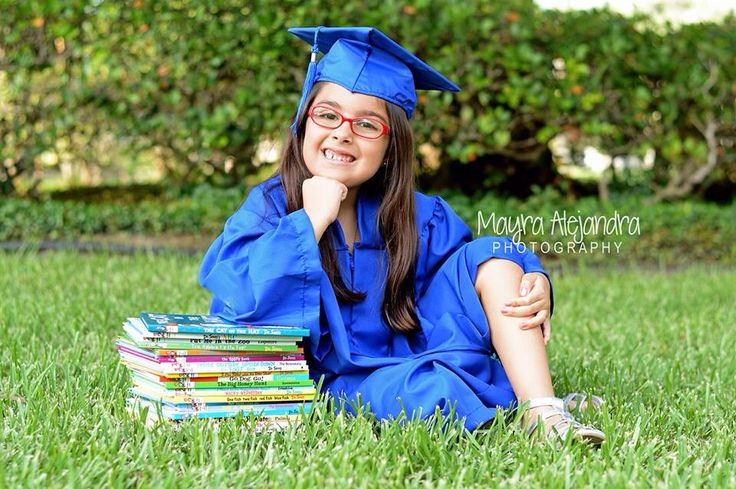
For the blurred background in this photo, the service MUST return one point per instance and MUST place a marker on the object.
(143, 124)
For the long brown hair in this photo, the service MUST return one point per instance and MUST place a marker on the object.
(394, 184)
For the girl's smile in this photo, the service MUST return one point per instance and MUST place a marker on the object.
(337, 157)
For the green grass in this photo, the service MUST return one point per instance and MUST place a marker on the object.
(657, 345)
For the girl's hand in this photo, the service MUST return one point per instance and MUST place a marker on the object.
(534, 303)
(322, 197)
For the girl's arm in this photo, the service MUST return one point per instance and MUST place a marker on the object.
(264, 269)
(445, 233)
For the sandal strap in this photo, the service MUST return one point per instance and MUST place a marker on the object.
(580, 399)
(566, 421)
(554, 402)
(577, 397)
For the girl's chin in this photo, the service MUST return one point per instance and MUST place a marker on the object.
(328, 169)
(334, 174)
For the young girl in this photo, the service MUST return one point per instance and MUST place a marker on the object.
(405, 309)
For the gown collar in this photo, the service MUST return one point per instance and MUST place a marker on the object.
(367, 215)
(366, 209)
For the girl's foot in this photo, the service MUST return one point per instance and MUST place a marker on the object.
(558, 423)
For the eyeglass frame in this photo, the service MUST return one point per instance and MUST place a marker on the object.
(384, 127)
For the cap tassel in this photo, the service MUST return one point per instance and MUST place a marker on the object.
(308, 81)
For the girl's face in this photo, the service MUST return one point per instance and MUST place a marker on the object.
(339, 153)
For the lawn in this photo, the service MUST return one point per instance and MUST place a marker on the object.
(659, 346)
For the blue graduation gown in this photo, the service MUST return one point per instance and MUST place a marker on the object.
(265, 268)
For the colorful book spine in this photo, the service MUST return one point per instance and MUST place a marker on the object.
(187, 353)
(208, 358)
(226, 346)
(138, 329)
(230, 331)
(130, 345)
(239, 358)
(188, 323)
(185, 384)
(220, 376)
(186, 399)
(222, 385)
(257, 410)
(211, 367)
(219, 393)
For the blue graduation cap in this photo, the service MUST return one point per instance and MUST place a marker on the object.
(365, 60)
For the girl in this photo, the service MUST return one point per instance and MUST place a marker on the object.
(405, 310)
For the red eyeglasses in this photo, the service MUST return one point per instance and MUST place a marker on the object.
(366, 127)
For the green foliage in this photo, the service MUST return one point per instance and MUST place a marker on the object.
(670, 233)
(651, 343)
(203, 211)
(204, 83)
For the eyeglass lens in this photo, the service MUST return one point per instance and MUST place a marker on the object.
(329, 118)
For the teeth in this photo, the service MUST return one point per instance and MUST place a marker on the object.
(332, 156)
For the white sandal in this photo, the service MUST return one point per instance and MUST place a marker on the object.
(583, 402)
(565, 425)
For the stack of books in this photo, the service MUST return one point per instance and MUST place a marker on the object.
(197, 366)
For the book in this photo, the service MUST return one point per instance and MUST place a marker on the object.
(268, 408)
(129, 343)
(200, 400)
(184, 353)
(237, 357)
(222, 346)
(186, 366)
(224, 411)
(136, 327)
(196, 323)
(270, 423)
(157, 389)
(219, 375)
(213, 382)
(209, 367)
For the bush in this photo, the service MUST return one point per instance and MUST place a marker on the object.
(671, 233)
(205, 83)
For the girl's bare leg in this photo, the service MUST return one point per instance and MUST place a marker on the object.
(522, 352)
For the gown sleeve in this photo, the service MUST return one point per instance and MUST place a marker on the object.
(264, 268)
(445, 233)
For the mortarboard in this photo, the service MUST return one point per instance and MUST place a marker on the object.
(365, 60)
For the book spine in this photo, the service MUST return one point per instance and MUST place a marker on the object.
(254, 340)
(239, 358)
(226, 330)
(265, 419)
(197, 353)
(171, 345)
(194, 400)
(294, 407)
(219, 393)
(262, 422)
(301, 373)
(249, 377)
(146, 354)
(221, 385)
(157, 387)
(232, 367)
(185, 399)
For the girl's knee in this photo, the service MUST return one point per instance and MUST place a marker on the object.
(498, 273)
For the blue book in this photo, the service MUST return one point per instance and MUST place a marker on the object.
(181, 412)
(208, 324)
